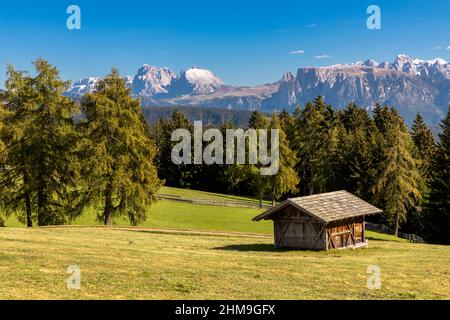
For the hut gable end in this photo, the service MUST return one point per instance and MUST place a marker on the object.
(291, 213)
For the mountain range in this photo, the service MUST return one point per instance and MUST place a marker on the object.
(411, 85)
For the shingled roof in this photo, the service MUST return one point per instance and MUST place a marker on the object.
(326, 207)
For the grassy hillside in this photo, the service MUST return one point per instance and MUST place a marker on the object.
(171, 214)
(126, 264)
(187, 193)
(164, 261)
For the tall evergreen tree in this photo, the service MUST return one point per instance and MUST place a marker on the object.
(355, 161)
(40, 167)
(437, 214)
(313, 139)
(425, 145)
(119, 169)
(260, 184)
(425, 148)
(286, 180)
(397, 183)
(3, 213)
(182, 175)
(287, 124)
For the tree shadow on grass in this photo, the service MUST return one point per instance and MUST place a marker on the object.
(256, 247)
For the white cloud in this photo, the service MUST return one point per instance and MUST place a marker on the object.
(448, 48)
(437, 48)
(323, 56)
(312, 25)
(297, 52)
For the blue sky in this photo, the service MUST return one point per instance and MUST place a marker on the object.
(243, 42)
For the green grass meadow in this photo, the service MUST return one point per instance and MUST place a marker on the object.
(172, 256)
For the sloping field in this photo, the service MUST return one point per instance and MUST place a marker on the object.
(143, 264)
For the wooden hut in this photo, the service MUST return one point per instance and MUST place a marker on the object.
(320, 222)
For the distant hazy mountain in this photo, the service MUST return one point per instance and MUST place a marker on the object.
(411, 85)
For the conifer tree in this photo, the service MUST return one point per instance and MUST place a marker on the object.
(424, 150)
(286, 180)
(260, 184)
(3, 212)
(397, 182)
(287, 124)
(182, 175)
(356, 142)
(425, 145)
(437, 214)
(40, 164)
(381, 116)
(120, 171)
(313, 139)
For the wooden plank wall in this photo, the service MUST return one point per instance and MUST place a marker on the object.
(294, 229)
(345, 233)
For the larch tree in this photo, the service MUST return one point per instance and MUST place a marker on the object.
(3, 212)
(119, 166)
(397, 182)
(39, 162)
(286, 179)
(260, 183)
(425, 148)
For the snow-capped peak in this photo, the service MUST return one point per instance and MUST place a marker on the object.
(202, 80)
(403, 58)
(438, 61)
(151, 80)
(199, 75)
(84, 85)
(367, 63)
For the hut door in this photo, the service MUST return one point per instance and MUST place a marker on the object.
(358, 232)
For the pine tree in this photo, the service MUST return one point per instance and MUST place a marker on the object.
(40, 164)
(381, 116)
(313, 139)
(286, 180)
(355, 160)
(260, 184)
(397, 183)
(424, 150)
(183, 175)
(425, 145)
(437, 213)
(119, 169)
(287, 124)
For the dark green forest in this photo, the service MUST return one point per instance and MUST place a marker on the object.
(60, 156)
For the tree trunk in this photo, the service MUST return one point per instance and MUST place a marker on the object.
(28, 208)
(108, 206)
(27, 193)
(260, 201)
(273, 196)
(42, 219)
(397, 219)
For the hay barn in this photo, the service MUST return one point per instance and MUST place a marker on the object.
(325, 221)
